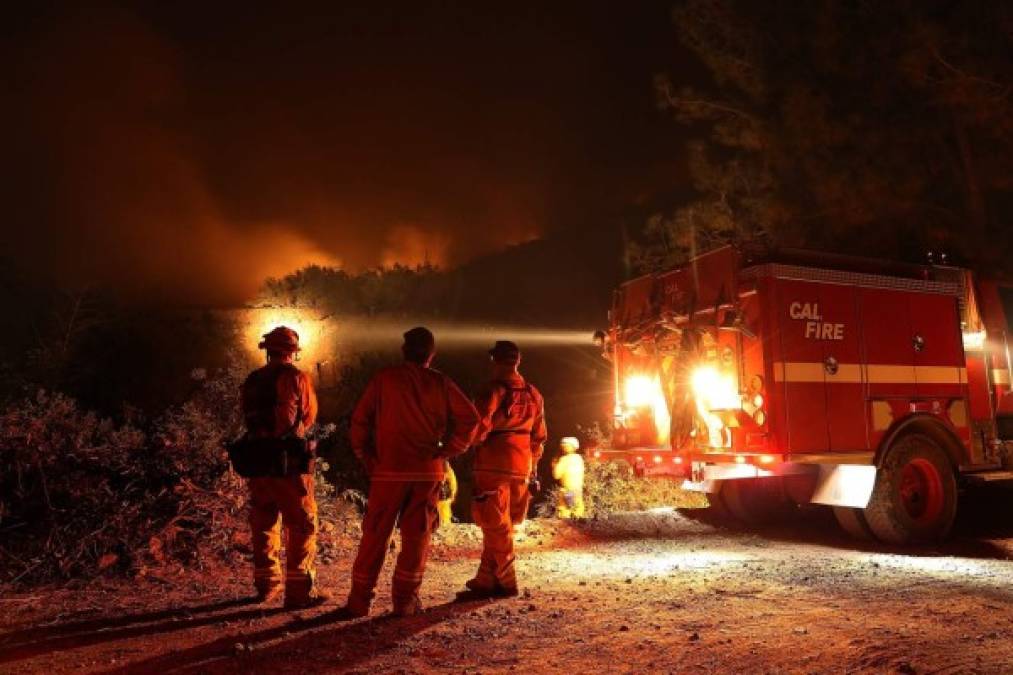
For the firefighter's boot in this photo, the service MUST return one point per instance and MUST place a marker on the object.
(359, 600)
(408, 607)
(269, 593)
(301, 591)
(484, 580)
(314, 599)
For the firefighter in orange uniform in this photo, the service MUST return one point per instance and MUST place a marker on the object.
(277, 400)
(509, 442)
(409, 421)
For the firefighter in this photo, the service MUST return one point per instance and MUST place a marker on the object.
(409, 421)
(568, 469)
(277, 400)
(448, 493)
(508, 443)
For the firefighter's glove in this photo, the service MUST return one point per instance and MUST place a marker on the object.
(534, 485)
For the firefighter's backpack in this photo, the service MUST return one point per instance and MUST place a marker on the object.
(517, 405)
(266, 456)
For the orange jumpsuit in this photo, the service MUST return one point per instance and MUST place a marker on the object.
(408, 422)
(509, 440)
(278, 399)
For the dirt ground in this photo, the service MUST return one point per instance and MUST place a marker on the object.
(661, 591)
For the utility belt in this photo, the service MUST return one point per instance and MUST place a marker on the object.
(271, 457)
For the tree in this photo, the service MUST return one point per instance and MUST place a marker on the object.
(873, 128)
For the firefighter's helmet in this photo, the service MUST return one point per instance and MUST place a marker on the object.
(505, 351)
(569, 444)
(282, 339)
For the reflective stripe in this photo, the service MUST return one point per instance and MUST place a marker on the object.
(1000, 376)
(798, 372)
(880, 374)
(267, 574)
(846, 372)
(401, 575)
(852, 373)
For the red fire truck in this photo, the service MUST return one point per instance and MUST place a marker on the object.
(780, 378)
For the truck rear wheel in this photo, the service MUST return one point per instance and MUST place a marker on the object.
(756, 501)
(915, 497)
(853, 522)
(716, 506)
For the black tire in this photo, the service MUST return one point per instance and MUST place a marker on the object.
(853, 522)
(915, 497)
(716, 505)
(756, 501)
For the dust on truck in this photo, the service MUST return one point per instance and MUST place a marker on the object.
(776, 379)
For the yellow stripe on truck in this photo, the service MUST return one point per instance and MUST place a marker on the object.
(852, 373)
(883, 374)
(798, 372)
(1000, 376)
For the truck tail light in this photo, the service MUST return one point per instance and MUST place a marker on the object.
(657, 459)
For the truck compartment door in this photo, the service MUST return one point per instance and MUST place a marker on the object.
(799, 369)
(938, 350)
(842, 356)
(887, 344)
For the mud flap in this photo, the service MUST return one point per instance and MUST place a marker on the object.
(848, 485)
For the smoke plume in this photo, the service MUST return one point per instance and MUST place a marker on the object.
(137, 165)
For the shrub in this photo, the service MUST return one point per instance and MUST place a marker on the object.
(80, 494)
(611, 487)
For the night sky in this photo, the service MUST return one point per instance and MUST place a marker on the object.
(184, 151)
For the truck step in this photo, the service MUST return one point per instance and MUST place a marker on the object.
(990, 477)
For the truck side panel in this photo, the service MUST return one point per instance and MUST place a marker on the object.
(842, 355)
(798, 371)
(939, 362)
(886, 341)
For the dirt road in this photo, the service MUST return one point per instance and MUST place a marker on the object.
(656, 592)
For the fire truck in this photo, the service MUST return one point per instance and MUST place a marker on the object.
(779, 378)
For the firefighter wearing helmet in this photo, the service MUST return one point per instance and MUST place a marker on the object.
(410, 420)
(509, 443)
(568, 469)
(278, 401)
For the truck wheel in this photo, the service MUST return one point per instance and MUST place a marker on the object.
(716, 506)
(853, 522)
(756, 501)
(915, 498)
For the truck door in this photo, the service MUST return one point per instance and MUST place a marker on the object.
(887, 345)
(799, 370)
(938, 350)
(840, 337)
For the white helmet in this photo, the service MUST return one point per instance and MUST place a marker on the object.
(570, 442)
